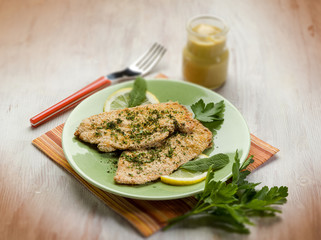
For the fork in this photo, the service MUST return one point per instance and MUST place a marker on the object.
(140, 67)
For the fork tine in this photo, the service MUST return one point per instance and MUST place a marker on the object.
(152, 53)
(152, 61)
(150, 56)
(142, 65)
(145, 54)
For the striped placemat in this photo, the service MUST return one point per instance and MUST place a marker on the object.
(146, 216)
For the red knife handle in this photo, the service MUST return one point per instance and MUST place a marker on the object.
(70, 101)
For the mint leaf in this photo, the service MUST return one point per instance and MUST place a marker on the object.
(138, 94)
(217, 162)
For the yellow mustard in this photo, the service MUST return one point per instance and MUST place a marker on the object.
(205, 56)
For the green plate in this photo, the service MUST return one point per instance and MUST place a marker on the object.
(99, 168)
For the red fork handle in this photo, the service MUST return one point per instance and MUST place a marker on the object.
(70, 101)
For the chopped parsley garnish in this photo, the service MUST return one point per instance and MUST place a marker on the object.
(110, 125)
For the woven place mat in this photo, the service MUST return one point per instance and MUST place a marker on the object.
(146, 216)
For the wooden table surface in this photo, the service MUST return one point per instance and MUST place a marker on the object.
(49, 49)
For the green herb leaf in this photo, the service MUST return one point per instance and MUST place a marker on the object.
(222, 193)
(138, 94)
(208, 113)
(236, 168)
(231, 205)
(209, 184)
(217, 162)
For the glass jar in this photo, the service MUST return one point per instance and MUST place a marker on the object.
(205, 56)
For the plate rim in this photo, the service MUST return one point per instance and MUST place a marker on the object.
(131, 195)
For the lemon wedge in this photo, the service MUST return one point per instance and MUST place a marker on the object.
(183, 177)
(120, 99)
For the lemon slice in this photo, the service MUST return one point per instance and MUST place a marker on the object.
(120, 99)
(184, 177)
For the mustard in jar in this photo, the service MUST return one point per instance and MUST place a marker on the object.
(205, 56)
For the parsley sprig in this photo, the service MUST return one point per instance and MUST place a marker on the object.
(211, 115)
(231, 205)
(210, 112)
